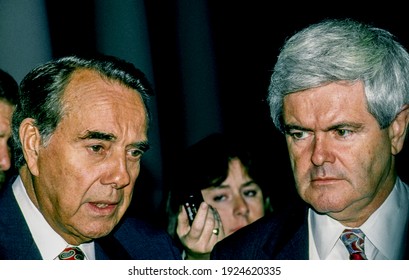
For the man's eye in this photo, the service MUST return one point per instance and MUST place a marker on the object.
(344, 132)
(136, 153)
(298, 134)
(96, 148)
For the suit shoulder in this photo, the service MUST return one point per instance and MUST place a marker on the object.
(145, 241)
(262, 238)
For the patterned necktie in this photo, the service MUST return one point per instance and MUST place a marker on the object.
(71, 253)
(354, 241)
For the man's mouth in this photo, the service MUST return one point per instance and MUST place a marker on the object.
(101, 205)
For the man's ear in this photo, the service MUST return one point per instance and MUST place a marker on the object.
(30, 141)
(398, 129)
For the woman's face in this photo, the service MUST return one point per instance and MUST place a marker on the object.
(238, 200)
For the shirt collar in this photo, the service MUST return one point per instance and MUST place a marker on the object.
(389, 216)
(47, 240)
(392, 215)
(324, 240)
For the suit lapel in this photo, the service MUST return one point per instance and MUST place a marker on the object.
(289, 235)
(109, 248)
(14, 226)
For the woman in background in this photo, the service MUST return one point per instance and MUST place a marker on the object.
(224, 173)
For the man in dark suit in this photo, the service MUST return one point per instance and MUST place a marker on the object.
(79, 130)
(340, 94)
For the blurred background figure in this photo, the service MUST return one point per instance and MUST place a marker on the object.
(8, 99)
(225, 173)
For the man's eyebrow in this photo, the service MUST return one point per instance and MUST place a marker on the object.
(289, 127)
(143, 145)
(98, 135)
(346, 124)
(337, 126)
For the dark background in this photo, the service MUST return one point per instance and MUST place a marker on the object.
(209, 62)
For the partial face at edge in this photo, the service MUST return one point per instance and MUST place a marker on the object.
(6, 112)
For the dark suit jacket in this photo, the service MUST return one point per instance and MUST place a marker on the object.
(131, 239)
(280, 236)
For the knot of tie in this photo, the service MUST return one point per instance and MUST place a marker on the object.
(71, 253)
(354, 242)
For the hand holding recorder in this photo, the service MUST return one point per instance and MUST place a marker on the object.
(199, 227)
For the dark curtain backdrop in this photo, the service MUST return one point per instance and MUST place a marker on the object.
(209, 62)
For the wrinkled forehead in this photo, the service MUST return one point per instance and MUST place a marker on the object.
(87, 87)
(92, 99)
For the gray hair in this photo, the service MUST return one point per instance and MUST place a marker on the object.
(343, 50)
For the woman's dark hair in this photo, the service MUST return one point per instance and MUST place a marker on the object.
(206, 164)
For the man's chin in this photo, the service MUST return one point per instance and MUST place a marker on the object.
(326, 209)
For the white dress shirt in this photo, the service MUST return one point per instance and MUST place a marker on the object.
(47, 240)
(388, 223)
